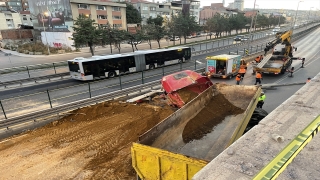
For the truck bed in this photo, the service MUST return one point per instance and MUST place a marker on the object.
(196, 133)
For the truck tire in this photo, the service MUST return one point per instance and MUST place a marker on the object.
(257, 115)
(261, 111)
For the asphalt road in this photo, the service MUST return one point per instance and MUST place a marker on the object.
(307, 48)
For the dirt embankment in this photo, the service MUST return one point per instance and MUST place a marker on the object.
(92, 143)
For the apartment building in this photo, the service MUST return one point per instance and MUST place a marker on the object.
(101, 11)
(166, 9)
(238, 4)
(9, 20)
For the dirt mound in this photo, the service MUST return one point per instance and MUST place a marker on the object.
(186, 95)
(91, 143)
(211, 115)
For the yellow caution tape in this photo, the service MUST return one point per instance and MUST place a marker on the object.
(285, 157)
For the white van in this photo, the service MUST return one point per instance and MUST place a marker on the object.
(276, 29)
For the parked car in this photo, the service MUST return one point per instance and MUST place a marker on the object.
(175, 38)
(270, 33)
(241, 38)
(134, 42)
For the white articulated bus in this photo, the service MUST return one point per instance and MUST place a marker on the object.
(98, 67)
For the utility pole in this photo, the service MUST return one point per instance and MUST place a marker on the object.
(251, 38)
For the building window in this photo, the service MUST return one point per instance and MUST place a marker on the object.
(83, 6)
(102, 17)
(26, 4)
(115, 8)
(145, 8)
(152, 8)
(99, 7)
(25, 18)
(116, 17)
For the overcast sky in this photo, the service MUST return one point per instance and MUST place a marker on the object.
(271, 4)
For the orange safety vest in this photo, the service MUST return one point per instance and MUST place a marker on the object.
(242, 70)
(258, 75)
(238, 78)
(257, 59)
(243, 66)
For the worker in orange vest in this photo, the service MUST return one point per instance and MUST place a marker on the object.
(257, 59)
(308, 80)
(258, 78)
(238, 79)
(242, 71)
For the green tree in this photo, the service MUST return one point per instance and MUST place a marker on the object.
(107, 36)
(146, 33)
(132, 14)
(156, 30)
(119, 36)
(85, 32)
(185, 25)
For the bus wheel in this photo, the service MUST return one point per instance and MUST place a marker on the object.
(111, 74)
(180, 61)
(151, 66)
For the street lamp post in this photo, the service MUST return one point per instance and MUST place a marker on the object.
(44, 31)
(309, 17)
(255, 21)
(295, 19)
(251, 38)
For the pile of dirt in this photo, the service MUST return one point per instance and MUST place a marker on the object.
(186, 95)
(91, 143)
(211, 115)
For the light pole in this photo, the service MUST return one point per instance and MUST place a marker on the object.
(44, 31)
(255, 21)
(294, 22)
(250, 38)
(309, 17)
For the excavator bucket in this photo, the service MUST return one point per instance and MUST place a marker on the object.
(182, 87)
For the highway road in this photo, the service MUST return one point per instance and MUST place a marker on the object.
(275, 98)
(16, 61)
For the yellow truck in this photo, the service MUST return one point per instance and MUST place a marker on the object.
(182, 144)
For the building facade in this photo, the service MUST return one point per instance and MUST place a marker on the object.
(238, 4)
(165, 9)
(9, 20)
(102, 12)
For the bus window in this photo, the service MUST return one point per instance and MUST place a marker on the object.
(132, 62)
(74, 66)
(87, 68)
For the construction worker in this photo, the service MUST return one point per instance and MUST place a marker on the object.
(238, 79)
(242, 71)
(291, 72)
(257, 59)
(308, 80)
(302, 62)
(243, 64)
(258, 78)
(265, 50)
(261, 57)
(262, 97)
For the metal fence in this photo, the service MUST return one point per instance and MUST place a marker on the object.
(32, 71)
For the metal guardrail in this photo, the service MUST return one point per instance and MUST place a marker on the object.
(35, 79)
(6, 124)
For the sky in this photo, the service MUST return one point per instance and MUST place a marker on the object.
(271, 4)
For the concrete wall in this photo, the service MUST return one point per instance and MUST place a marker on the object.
(57, 39)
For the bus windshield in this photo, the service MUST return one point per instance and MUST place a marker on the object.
(74, 66)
